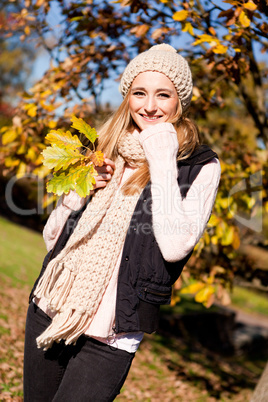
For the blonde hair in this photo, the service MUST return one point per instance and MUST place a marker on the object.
(121, 121)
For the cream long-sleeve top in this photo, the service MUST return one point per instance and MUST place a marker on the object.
(178, 223)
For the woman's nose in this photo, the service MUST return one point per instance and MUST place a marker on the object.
(150, 104)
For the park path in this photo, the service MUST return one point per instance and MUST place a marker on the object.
(255, 320)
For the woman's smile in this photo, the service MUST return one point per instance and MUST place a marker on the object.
(147, 117)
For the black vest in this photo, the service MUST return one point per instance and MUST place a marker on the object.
(145, 279)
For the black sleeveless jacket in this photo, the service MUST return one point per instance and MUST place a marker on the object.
(145, 279)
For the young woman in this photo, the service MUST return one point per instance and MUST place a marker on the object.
(113, 257)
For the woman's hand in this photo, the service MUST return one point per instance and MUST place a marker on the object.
(105, 173)
(160, 144)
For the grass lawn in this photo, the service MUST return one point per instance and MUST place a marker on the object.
(21, 253)
(249, 301)
(165, 368)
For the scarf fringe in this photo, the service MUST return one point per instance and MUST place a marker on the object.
(48, 279)
(58, 291)
(61, 290)
(67, 326)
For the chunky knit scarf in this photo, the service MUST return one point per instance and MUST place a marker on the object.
(75, 280)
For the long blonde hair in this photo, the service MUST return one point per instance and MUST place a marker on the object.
(121, 121)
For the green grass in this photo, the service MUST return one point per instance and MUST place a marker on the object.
(249, 300)
(21, 253)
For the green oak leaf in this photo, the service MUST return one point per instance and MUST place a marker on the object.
(80, 179)
(60, 158)
(64, 182)
(84, 184)
(60, 184)
(84, 128)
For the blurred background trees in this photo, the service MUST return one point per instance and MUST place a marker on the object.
(16, 59)
(91, 42)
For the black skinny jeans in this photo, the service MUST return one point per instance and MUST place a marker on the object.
(87, 371)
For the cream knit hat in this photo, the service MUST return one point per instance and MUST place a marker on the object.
(163, 59)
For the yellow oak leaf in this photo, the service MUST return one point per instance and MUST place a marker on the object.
(193, 288)
(31, 109)
(10, 162)
(21, 169)
(204, 294)
(180, 15)
(63, 139)
(219, 49)
(9, 136)
(188, 28)
(244, 20)
(250, 6)
(228, 236)
(213, 220)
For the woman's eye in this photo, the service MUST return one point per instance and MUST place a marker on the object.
(164, 95)
(138, 93)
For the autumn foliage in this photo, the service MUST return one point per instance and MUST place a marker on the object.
(73, 170)
(94, 40)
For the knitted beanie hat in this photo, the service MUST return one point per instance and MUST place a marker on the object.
(163, 59)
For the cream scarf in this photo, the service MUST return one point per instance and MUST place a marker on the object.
(75, 280)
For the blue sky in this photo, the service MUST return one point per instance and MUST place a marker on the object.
(110, 94)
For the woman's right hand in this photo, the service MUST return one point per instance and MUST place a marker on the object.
(105, 173)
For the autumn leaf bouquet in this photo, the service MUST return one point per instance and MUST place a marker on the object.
(72, 168)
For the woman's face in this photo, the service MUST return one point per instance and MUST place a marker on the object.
(153, 99)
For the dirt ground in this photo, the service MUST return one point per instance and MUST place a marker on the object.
(164, 369)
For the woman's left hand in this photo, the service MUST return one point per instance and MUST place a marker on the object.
(105, 173)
